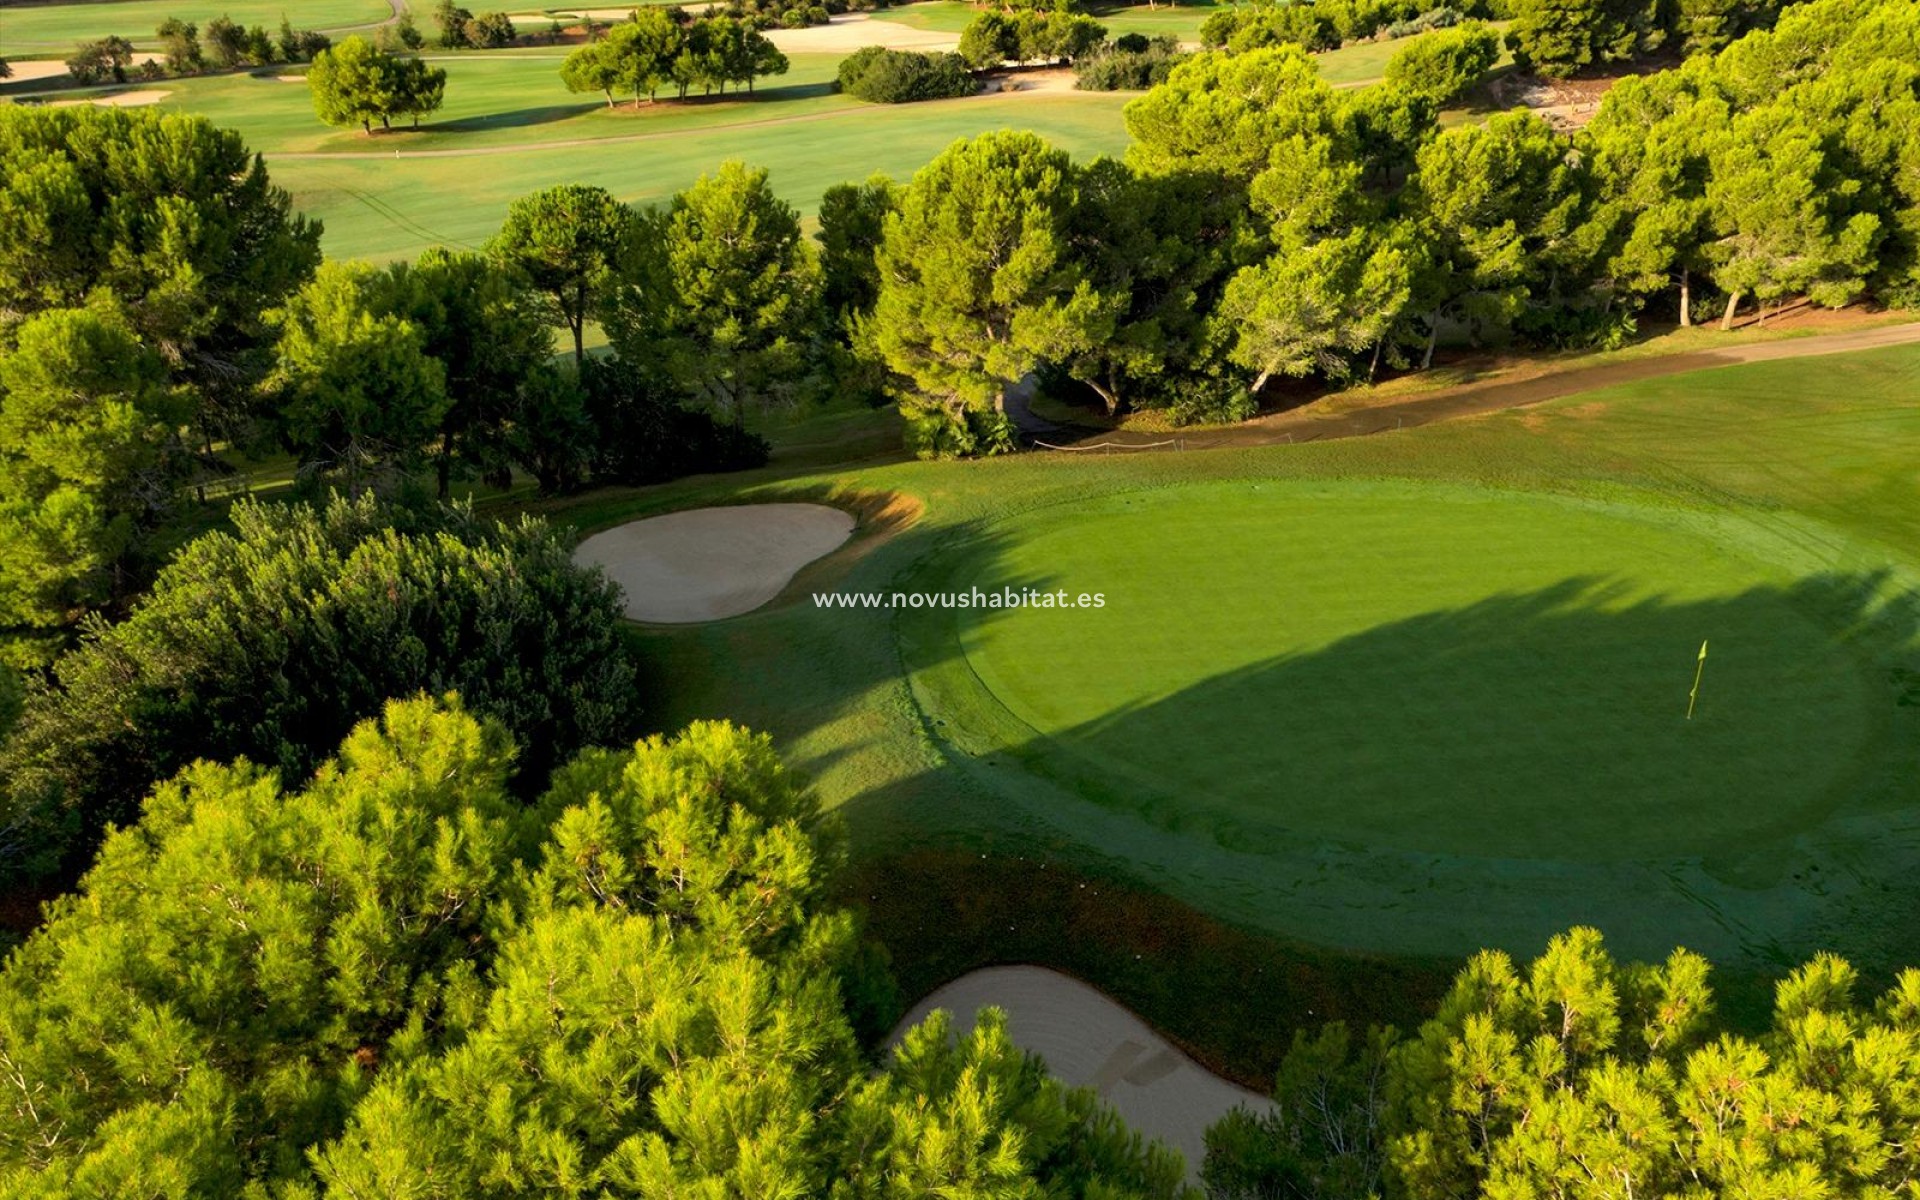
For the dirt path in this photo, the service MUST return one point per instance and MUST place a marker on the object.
(1091, 1041)
(1315, 422)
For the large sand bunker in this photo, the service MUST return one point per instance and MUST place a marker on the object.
(1091, 1041)
(708, 563)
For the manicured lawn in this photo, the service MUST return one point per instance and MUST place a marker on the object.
(53, 30)
(1426, 668)
(1406, 695)
(503, 99)
(381, 207)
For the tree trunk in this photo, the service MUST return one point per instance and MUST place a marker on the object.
(1733, 302)
(609, 92)
(1686, 300)
(1379, 344)
(1107, 394)
(443, 469)
(1433, 338)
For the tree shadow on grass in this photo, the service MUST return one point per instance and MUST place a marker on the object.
(1545, 726)
(518, 118)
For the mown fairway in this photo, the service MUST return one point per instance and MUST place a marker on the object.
(1411, 694)
(511, 127)
(53, 30)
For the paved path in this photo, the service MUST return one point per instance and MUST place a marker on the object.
(1313, 423)
(1089, 1040)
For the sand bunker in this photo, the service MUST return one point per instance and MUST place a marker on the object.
(118, 99)
(709, 563)
(30, 70)
(853, 31)
(1091, 1041)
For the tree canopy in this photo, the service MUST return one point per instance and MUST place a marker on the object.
(273, 640)
(977, 284)
(567, 242)
(356, 83)
(338, 987)
(1580, 1075)
(89, 453)
(721, 292)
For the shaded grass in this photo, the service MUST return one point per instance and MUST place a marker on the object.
(1221, 993)
(1429, 669)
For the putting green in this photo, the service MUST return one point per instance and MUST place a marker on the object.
(1422, 668)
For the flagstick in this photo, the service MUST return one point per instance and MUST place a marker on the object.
(1698, 670)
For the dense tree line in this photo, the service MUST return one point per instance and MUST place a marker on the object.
(139, 252)
(1559, 38)
(272, 641)
(1316, 25)
(1326, 233)
(357, 83)
(461, 29)
(662, 47)
(1030, 36)
(1582, 1076)
(394, 978)
(186, 50)
(161, 301)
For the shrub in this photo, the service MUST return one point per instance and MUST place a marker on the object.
(939, 432)
(882, 76)
(1132, 63)
(98, 62)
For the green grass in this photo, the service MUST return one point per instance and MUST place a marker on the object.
(387, 208)
(495, 101)
(1406, 695)
(510, 127)
(1460, 671)
(53, 30)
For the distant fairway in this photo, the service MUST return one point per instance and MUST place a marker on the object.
(53, 30)
(511, 127)
(1425, 668)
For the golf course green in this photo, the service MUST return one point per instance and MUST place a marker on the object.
(1420, 667)
(1355, 706)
